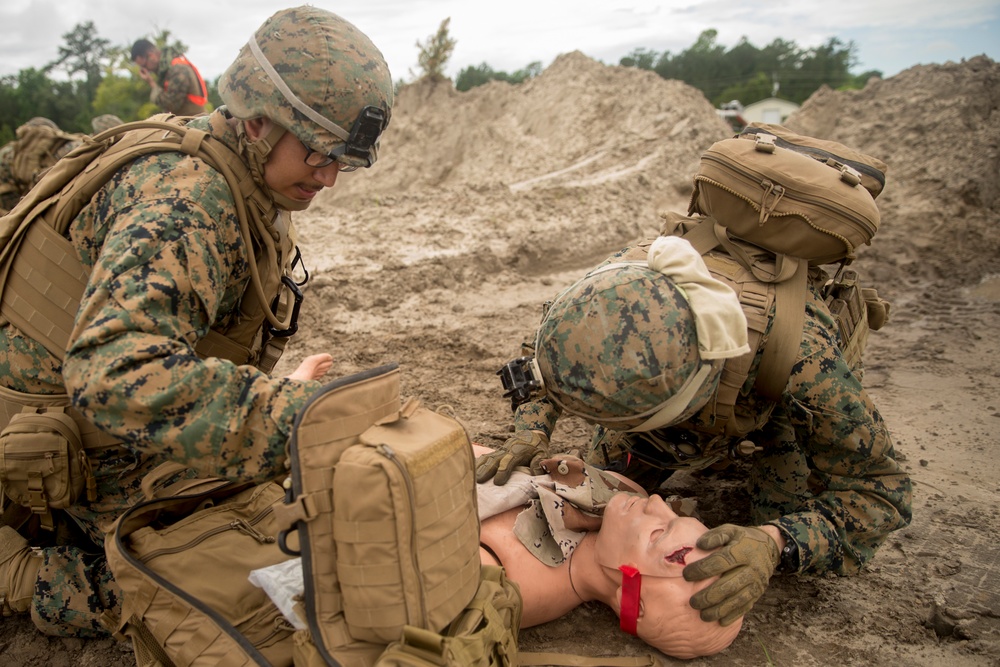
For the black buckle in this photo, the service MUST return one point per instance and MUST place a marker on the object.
(296, 305)
(519, 381)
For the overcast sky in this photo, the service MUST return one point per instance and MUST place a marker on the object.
(891, 35)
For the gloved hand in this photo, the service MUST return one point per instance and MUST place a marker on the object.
(524, 448)
(744, 564)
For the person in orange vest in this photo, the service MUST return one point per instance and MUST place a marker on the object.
(175, 84)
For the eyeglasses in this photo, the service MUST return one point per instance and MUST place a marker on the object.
(319, 160)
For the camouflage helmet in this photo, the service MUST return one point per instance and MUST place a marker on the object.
(318, 76)
(620, 348)
(39, 121)
(105, 122)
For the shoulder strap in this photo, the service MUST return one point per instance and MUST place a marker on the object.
(782, 347)
(790, 278)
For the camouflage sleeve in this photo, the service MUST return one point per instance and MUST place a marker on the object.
(859, 492)
(173, 95)
(538, 415)
(169, 262)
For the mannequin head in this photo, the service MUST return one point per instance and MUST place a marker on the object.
(648, 535)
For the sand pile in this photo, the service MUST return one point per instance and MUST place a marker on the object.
(938, 128)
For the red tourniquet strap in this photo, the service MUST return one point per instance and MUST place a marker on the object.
(631, 585)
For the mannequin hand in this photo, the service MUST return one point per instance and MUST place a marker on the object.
(523, 448)
(745, 560)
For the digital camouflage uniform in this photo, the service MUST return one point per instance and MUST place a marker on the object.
(167, 264)
(826, 475)
(176, 83)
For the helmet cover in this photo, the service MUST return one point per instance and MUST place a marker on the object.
(105, 122)
(315, 74)
(618, 344)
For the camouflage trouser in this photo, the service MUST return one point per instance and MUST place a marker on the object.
(75, 586)
(73, 591)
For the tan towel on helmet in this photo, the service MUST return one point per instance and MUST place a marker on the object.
(719, 319)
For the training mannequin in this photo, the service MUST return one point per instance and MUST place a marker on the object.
(639, 531)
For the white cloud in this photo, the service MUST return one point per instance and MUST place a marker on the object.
(510, 35)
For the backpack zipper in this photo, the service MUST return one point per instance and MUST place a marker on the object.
(817, 153)
(763, 183)
(245, 526)
(387, 452)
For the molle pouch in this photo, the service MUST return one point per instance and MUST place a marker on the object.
(857, 311)
(42, 462)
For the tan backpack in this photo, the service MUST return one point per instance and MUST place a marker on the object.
(38, 147)
(381, 505)
(806, 202)
(182, 559)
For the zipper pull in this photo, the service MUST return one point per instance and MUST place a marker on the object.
(241, 525)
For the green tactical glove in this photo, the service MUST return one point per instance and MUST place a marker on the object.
(744, 563)
(524, 448)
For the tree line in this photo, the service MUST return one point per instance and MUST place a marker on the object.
(97, 78)
(100, 78)
(744, 72)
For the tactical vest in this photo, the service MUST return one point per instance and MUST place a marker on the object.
(200, 100)
(42, 280)
(718, 431)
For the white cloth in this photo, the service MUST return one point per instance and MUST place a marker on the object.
(718, 317)
(283, 583)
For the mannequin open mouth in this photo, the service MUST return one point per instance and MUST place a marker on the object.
(678, 556)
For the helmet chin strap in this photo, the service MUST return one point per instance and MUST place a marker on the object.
(257, 153)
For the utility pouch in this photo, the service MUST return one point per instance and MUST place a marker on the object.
(857, 311)
(43, 465)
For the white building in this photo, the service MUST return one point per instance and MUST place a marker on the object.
(773, 110)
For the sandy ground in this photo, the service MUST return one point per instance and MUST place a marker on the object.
(485, 204)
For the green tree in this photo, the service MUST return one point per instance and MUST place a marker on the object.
(859, 81)
(828, 64)
(434, 54)
(473, 76)
(756, 89)
(214, 100)
(703, 65)
(85, 55)
(35, 94)
(121, 91)
(640, 58)
(530, 71)
(750, 74)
